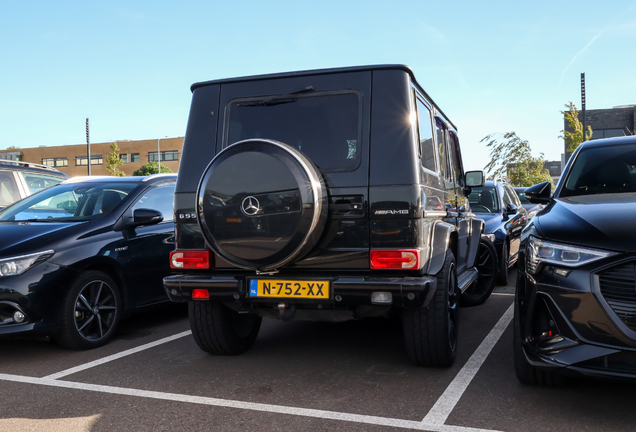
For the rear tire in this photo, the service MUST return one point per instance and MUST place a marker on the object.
(430, 333)
(221, 331)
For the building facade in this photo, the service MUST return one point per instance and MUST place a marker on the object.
(73, 159)
(607, 123)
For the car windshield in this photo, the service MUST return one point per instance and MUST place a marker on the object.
(324, 126)
(602, 170)
(69, 202)
(483, 200)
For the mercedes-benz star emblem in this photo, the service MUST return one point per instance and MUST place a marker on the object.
(250, 205)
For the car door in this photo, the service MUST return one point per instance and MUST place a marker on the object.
(145, 250)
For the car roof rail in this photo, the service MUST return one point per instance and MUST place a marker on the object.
(26, 164)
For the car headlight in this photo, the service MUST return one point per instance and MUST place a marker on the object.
(17, 265)
(541, 251)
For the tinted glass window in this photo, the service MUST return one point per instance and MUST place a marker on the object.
(483, 200)
(522, 197)
(440, 130)
(158, 198)
(601, 170)
(426, 136)
(325, 127)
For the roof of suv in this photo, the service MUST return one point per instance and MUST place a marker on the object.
(31, 167)
(401, 67)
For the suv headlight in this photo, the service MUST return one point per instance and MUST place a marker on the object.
(541, 251)
(17, 265)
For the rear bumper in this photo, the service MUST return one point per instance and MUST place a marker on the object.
(411, 292)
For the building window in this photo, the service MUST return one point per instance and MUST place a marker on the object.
(124, 158)
(55, 162)
(170, 155)
(607, 133)
(83, 160)
(134, 157)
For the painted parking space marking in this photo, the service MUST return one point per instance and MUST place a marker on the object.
(117, 356)
(433, 421)
(224, 403)
(446, 403)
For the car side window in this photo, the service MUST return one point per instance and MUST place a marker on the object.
(442, 153)
(158, 198)
(506, 197)
(37, 182)
(513, 196)
(8, 189)
(427, 146)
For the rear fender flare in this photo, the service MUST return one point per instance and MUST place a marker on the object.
(477, 228)
(441, 241)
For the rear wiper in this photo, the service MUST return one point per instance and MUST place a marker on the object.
(269, 102)
(278, 100)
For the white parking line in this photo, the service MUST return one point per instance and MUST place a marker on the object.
(305, 412)
(116, 356)
(446, 403)
(434, 420)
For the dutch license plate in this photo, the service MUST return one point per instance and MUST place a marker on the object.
(289, 288)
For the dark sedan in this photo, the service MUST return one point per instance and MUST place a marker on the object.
(575, 302)
(504, 216)
(76, 258)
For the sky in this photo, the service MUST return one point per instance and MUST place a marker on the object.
(491, 66)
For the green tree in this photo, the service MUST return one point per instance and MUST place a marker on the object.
(511, 156)
(113, 160)
(574, 138)
(151, 167)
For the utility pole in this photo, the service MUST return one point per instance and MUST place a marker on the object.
(88, 147)
(583, 105)
(159, 156)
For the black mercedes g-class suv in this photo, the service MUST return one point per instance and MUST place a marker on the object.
(327, 195)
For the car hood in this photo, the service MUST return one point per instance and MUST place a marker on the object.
(598, 221)
(30, 237)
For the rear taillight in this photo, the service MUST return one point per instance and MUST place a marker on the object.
(197, 259)
(395, 259)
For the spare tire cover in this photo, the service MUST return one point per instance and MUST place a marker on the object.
(261, 204)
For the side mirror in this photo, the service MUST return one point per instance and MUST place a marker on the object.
(511, 209)
(474, 179)
(146, 217)
(539, 193)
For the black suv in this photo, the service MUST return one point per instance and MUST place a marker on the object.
(21, 179)
(322, 195)
(498, 205)
(575, 303)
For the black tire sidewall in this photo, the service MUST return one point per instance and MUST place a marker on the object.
(214, 331)
(69, 336)
(466, 299)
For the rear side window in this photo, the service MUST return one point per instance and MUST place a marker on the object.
(8, 189)
(37, 182)
(426, 136)
(324, 126)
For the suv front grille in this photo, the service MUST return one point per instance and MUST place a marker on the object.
(618, 286)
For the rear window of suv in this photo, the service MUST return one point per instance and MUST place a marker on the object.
(325, 126)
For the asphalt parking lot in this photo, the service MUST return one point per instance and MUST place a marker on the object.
(302, 376)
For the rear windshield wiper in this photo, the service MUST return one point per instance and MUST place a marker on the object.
(278, 100)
